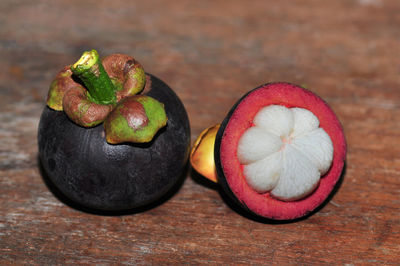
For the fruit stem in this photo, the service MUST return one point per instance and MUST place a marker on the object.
(90, 70)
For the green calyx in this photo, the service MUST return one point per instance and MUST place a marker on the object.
(135, 119)
(108, 96)
(90, 70)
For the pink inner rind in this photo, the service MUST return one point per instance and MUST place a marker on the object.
(241, 119)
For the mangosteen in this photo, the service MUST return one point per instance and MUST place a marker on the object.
(278, 153)
(111, 136)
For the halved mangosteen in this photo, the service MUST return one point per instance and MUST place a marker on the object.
(278, 153)
(113, 138)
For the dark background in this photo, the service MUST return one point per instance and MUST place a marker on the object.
(210, 53)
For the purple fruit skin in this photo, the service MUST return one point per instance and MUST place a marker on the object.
(98, 175)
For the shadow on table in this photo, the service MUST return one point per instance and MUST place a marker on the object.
(64, 199)
(234, 205)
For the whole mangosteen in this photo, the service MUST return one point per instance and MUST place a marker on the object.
(278, 153)
(111, 136)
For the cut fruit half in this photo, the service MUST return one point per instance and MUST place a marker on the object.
(280, 151)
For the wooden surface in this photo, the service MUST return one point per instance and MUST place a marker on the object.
(211, 53)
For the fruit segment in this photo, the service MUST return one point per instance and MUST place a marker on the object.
(202, 153)
(285, 153)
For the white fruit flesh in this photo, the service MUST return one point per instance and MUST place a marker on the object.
(285, 153)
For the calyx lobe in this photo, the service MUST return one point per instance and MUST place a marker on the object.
(136, 119)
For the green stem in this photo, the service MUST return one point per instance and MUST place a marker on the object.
(91, 71)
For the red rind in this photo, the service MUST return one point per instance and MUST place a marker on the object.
(240, 120)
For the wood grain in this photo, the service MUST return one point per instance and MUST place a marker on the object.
(211, 53)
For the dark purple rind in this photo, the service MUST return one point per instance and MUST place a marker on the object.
(98, 175)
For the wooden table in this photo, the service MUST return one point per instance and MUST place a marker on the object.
(211, 53)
